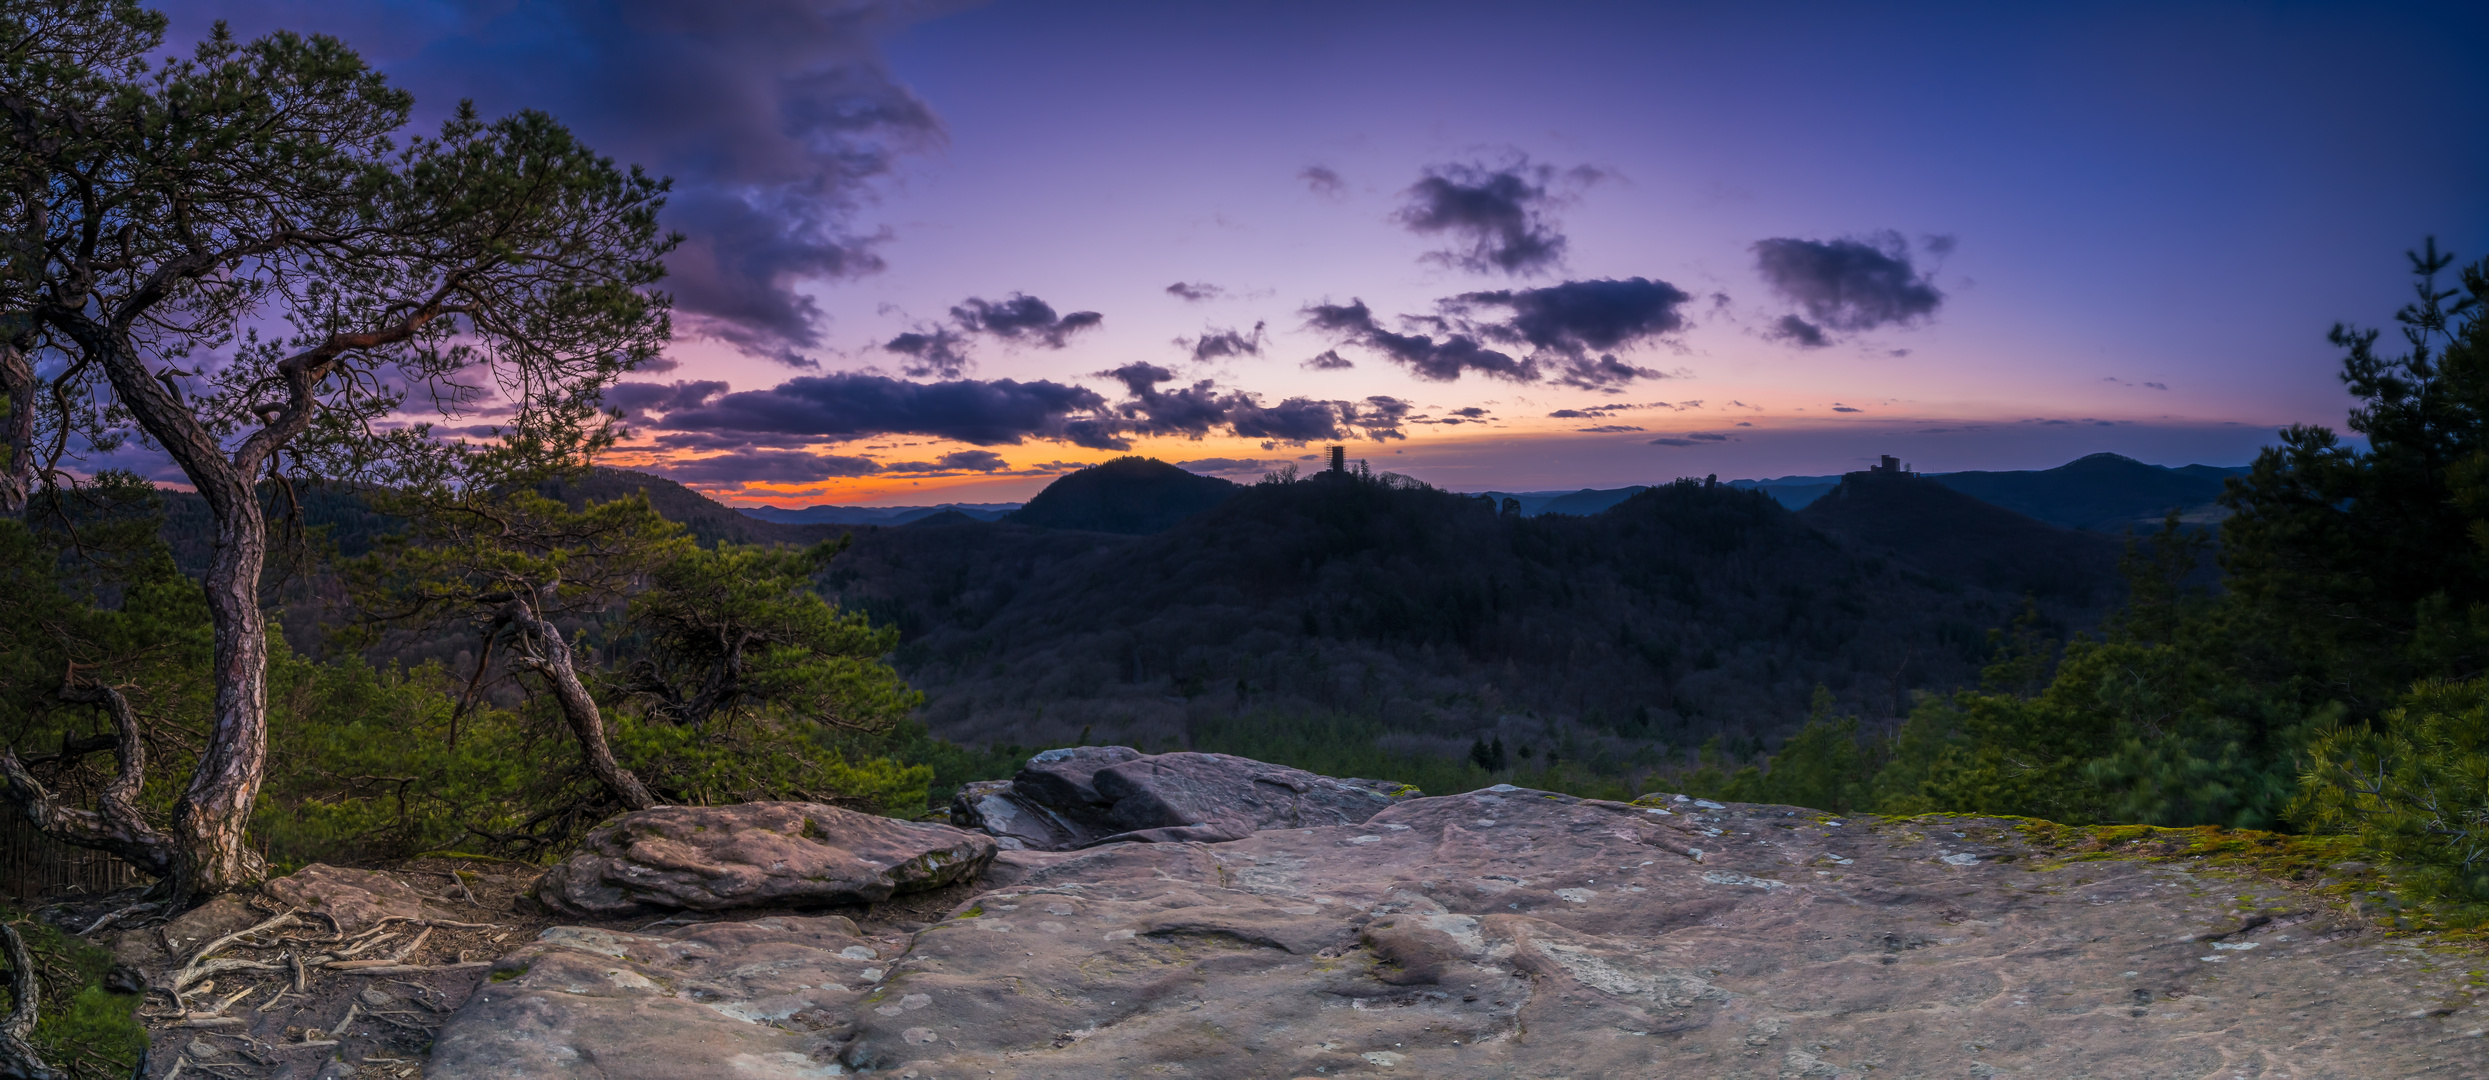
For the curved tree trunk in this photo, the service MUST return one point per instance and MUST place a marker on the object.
(543, 649)
(18, 1060)
(209, 853)
(215, 810)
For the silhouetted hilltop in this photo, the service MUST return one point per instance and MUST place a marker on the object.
(944, 517)
(1130, 495)
(1943, 532)
(2102, 492)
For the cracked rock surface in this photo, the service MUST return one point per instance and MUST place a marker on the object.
(1513, 933)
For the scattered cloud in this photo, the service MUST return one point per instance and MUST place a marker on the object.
(1846, 285)
(959, 461)
(1195, 411)
(851, 405)
(1328, 360)
(1564, 326)
(1322, 181)
(1798, 332)
(1844, 408)
(1195, 291)
(1216, 344)
(1496, 215)
(1021, 317)
(941, 349)
(639, 400)
(1427, 358)
(1608, 428)
(762, 466)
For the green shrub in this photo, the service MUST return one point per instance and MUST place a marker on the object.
(2413, 788)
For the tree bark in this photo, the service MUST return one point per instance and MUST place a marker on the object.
(17, 426)
(115, 826)
(210, 856)
(544, 650)
(18, 1060)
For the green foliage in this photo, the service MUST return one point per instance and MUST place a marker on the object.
(82, 1029)
(2413, 787)
(738, 626)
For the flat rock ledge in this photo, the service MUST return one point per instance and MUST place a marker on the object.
(1513, 933)
(1083, 796)
(716, 858)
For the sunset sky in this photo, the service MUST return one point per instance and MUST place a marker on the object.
(944, 252)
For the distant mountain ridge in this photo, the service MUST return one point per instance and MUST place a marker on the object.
(2098, 492)
(2101, 492)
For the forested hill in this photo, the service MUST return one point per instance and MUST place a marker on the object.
(1927, 525)
(1685, 611)
(1682, 612)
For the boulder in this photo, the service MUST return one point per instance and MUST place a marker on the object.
(1064, 800)
(354, 898)
(1515, 933)
(714, 858)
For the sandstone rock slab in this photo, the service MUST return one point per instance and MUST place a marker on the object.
(1063, 800)
(354, 898)
(1510, 933)
(714, 858)
(767, 999)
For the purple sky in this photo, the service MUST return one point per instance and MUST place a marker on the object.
(1749, 240)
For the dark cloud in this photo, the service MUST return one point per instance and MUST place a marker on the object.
(1221, 344)
(1195, 291)
(640, 401)
(1328, 360)
(1442, 361)
(2157, 386)
(775, 119)
(1694, 438)
(763, 466)
(1196, 410)
(1022, 317)
(1845, 408)
(1798, 332)
(1848, 285)
(1472, 412)
(1495, 215)
(935, 350)
(1580, 317)
(960, 461)
(1565, 327)
(1322, 181)
(1607, 428)
(849, 405)
(941, 349)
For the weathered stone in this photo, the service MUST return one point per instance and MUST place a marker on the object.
(714, 858)
(1074, 798)
(767, 999)
(1515, 933)
(355, 898)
